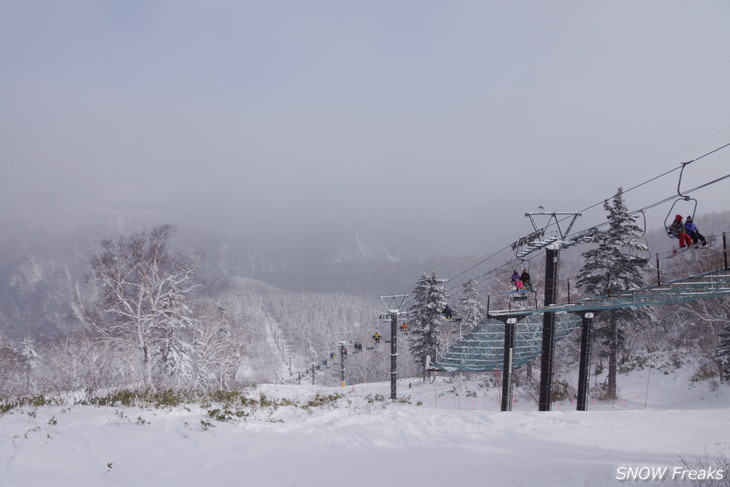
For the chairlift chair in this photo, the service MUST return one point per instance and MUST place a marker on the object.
(637, 260)
(636, 257)
(519, 294)
(670, 219)
(681, 197)
(454, 313)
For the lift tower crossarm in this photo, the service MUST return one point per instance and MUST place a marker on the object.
(553, 217)
(538, 240)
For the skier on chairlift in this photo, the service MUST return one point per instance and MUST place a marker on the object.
(516, 281)
(447, 312)
(525, 278)
(694, 232)
(677, 230)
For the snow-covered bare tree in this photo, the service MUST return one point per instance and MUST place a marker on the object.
(699, 327)
(609, 269)
(140, 300)
(82, 362)
(29, 361)
(722, 355)
(426, 319)
(218, 347)
(8, 363)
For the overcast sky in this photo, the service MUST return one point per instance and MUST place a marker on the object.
(425, 113)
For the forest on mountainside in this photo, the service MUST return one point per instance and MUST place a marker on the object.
(226, 332)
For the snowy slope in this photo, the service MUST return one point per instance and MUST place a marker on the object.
(364, 441)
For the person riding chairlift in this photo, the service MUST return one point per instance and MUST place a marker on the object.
(447, 312)
(694, 232)
(677, 229)
(516, 281)
(525, 278)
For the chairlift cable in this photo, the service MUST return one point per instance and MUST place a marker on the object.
(708, 153)
(479, 263)
(680, 167)
(672, 155)
(658, 203)
(600, 225)
(595, 227)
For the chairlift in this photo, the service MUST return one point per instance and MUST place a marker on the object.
(519, 294)
(527, 287)
(692, 203)
(681, 197)
(638, 258)
(449, 312)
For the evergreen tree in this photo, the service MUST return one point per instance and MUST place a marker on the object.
(470, 308)
(608, 270)
(426, 319)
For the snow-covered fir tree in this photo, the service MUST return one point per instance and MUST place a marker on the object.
(471, 309)
(609, 269)
(426, 318)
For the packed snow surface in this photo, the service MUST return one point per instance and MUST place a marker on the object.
(450, 433)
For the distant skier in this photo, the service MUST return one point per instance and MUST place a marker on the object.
(694, 232)
(404, 328)
(376, 337)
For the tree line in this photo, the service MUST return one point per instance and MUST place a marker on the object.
(149, 325)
